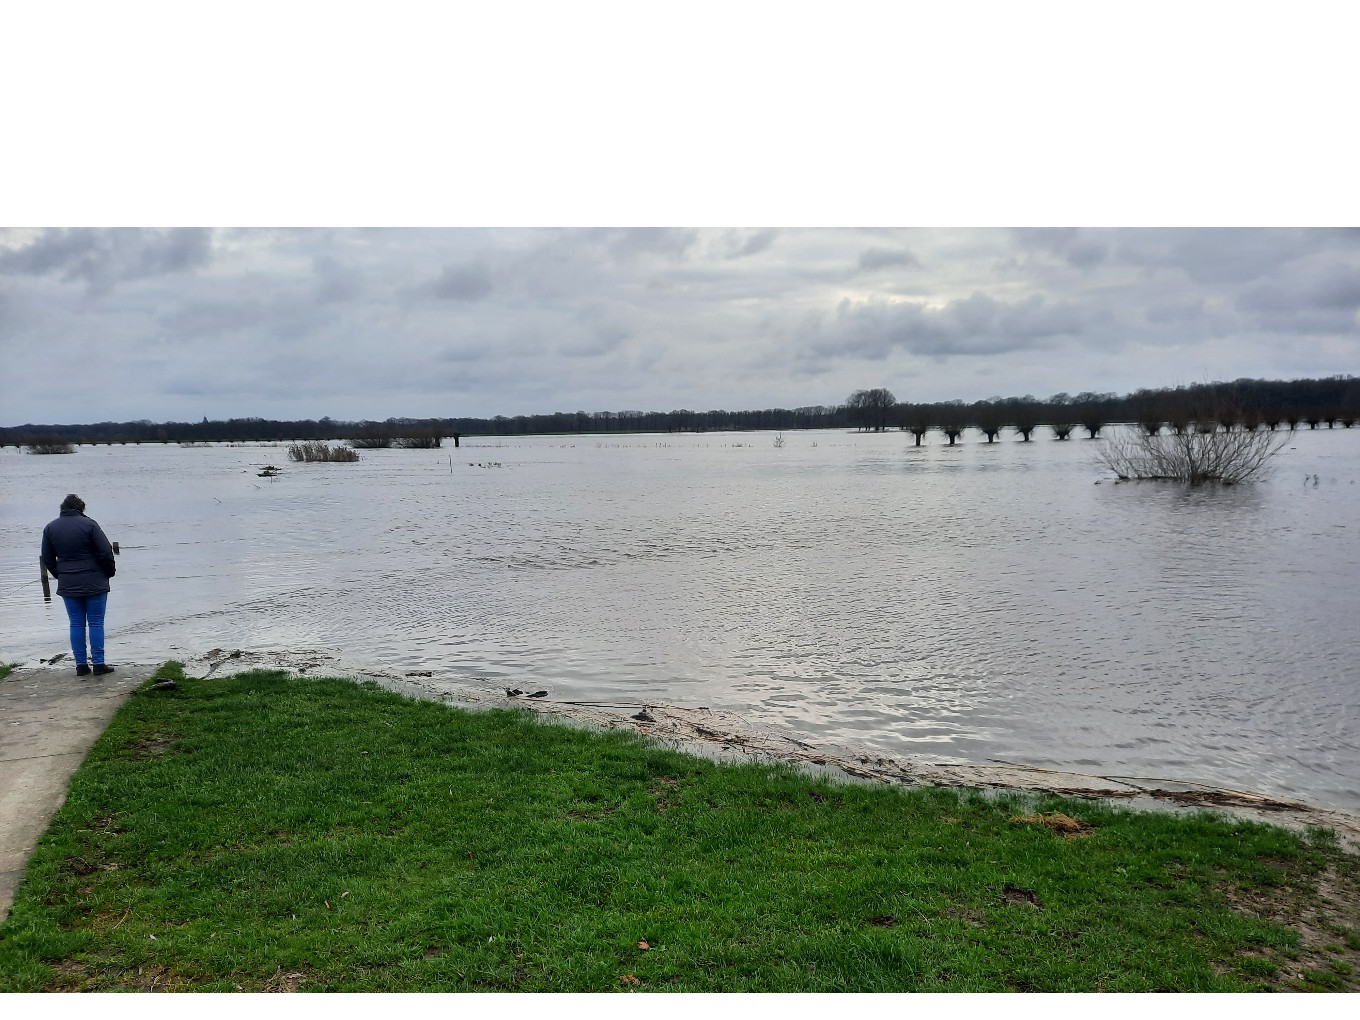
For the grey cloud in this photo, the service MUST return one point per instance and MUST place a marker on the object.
(975, 325)
(214, 317)
(755, 244)
(471, 282)
(597, 339)
(300, 323)
(668, 242)
(335, 281)
(1342, 290)
(1328, 305)
(1222, 257)
(468, 352)
(103, 258)
(1068, 243)
(592, 346)
(883, 258)
(1171, 313)
(1036, 318)
(266, 310)
(1330, 308)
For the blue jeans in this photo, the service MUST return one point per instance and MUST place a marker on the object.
(83, 610)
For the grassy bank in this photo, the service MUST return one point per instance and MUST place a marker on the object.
(258, 832)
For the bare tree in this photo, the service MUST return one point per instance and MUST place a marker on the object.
(1194, 455)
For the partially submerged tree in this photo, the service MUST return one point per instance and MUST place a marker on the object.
(1194, 455)
(989, 417)
(1062, 415)
(951, 417)
(917, 420)
(1093, 411)
(1026, 418)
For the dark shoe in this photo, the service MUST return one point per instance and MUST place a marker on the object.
(100, 669)
(82, 670)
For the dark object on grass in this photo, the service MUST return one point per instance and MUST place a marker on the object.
(539, 694)
(165, 685)
(1014, 895)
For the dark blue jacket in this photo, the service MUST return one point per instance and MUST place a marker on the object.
(75, 550)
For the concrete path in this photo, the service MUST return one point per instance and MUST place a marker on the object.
(49, 720)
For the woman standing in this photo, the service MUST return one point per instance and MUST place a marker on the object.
(75, 549)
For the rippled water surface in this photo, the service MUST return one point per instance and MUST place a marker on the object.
(969, 603)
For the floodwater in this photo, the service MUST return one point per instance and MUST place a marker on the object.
(975, 603)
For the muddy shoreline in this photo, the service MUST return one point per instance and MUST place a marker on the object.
(727, 736)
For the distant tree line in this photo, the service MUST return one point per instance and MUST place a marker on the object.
(1262, 403)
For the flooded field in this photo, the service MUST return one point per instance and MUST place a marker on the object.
(975, 603)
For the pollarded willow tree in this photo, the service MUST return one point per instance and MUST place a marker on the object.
(1205, 453)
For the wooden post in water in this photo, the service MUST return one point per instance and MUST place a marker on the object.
(42, 573)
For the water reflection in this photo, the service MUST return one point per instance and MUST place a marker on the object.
(975, 602)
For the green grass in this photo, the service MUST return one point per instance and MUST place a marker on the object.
(6, 668)
(258, 832)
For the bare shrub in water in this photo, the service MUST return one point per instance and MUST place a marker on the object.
(321, 452)
(1194, 455)
(51, 444)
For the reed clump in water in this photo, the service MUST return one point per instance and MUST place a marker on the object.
(51, 444)
(317, 451)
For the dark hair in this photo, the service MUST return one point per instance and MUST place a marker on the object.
(73, 502)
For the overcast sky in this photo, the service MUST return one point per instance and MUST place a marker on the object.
(178, 324)
(474, 126)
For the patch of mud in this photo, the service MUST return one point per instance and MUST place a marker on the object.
(1328, 924)
(727, 736)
